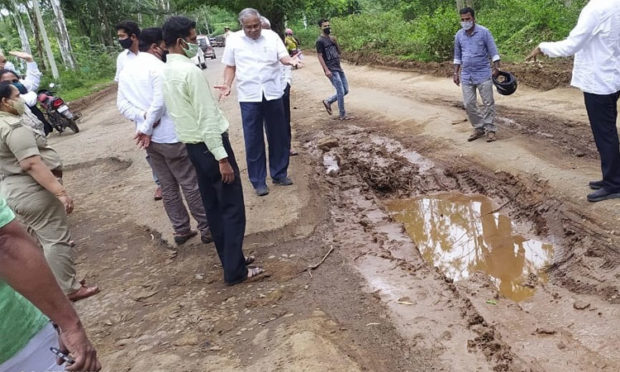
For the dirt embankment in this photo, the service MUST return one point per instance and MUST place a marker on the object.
(548, 75)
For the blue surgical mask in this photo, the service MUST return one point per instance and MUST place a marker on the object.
(22, 89)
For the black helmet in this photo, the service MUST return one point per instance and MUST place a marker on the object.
(506, 83)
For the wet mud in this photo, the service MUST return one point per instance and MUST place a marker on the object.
(462, 234)
(380, 297)
(515, 250)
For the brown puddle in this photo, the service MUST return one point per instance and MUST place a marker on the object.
(460, 235)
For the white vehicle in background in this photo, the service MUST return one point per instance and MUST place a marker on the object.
(207, 51)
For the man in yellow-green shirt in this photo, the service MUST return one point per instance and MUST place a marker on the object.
(203, 128)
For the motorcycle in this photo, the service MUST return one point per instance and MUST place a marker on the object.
(57, 111)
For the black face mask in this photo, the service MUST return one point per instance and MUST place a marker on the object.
(327, 30)
(125, 43)
(164, 56)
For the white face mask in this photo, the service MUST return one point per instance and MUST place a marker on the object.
(467, 25)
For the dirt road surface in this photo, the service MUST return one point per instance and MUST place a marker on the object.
(376, 204)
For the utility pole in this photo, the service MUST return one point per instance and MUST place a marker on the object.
(46, 41)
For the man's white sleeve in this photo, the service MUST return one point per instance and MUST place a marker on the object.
(577, 38)
(33, 76)
(126, 108)
(157, 108)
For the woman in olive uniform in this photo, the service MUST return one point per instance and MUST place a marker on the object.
(30, 173)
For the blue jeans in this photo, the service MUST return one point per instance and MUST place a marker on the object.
(270, 115)
(339, 81)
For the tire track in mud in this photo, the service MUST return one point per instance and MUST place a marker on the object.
(375, 168)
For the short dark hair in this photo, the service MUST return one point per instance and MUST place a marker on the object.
(130, 28)
(5, 89)
(468, 10)
(148, 37)
(7, 71)
(322, 20)
(177, 27)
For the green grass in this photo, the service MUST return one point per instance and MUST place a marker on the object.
(83, 91)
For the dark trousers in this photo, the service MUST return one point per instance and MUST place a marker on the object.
(603, 113)
(270, 115)
(224, 207)
(286, 101)
(47, 127)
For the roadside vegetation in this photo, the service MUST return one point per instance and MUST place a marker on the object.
(423, 30)
(82, 39)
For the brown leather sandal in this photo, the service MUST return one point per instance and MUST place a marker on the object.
(82, 293)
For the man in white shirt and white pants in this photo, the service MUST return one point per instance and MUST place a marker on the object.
(253, 56)
(595, 43)
(140, 99)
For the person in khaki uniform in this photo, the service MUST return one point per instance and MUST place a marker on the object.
(29, 180)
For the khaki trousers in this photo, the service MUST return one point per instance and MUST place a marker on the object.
(174, 168)
(44, 214)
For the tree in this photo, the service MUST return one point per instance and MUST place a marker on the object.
(19, 24)
(63, 35)
(46, 42)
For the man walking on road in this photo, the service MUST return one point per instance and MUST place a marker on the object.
(203, 128)
(473, 48)
(128, 34)
(595, 43)
(253, 56)
(140, 99)
(328, 53)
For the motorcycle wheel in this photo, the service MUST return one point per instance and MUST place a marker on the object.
(72, 125)
(56, 120)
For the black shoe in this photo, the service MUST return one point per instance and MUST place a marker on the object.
(180, 239)
(283, 182)
(602, 194)
(596, 185)
(206, 237)
(262, 190)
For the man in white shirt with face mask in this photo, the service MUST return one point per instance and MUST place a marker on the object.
(595, 43)
(128, 34)
(141, 100)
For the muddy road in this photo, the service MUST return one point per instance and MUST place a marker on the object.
(430, 253)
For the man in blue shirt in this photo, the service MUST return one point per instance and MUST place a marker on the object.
(474, 48)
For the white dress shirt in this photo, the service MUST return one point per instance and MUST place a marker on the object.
(257, 64)
(287, 75)
(595, 42)
(10, 66)
(122, 59)
(33, 77)
(140, 98)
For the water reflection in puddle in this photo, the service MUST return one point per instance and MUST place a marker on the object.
(461, 235)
